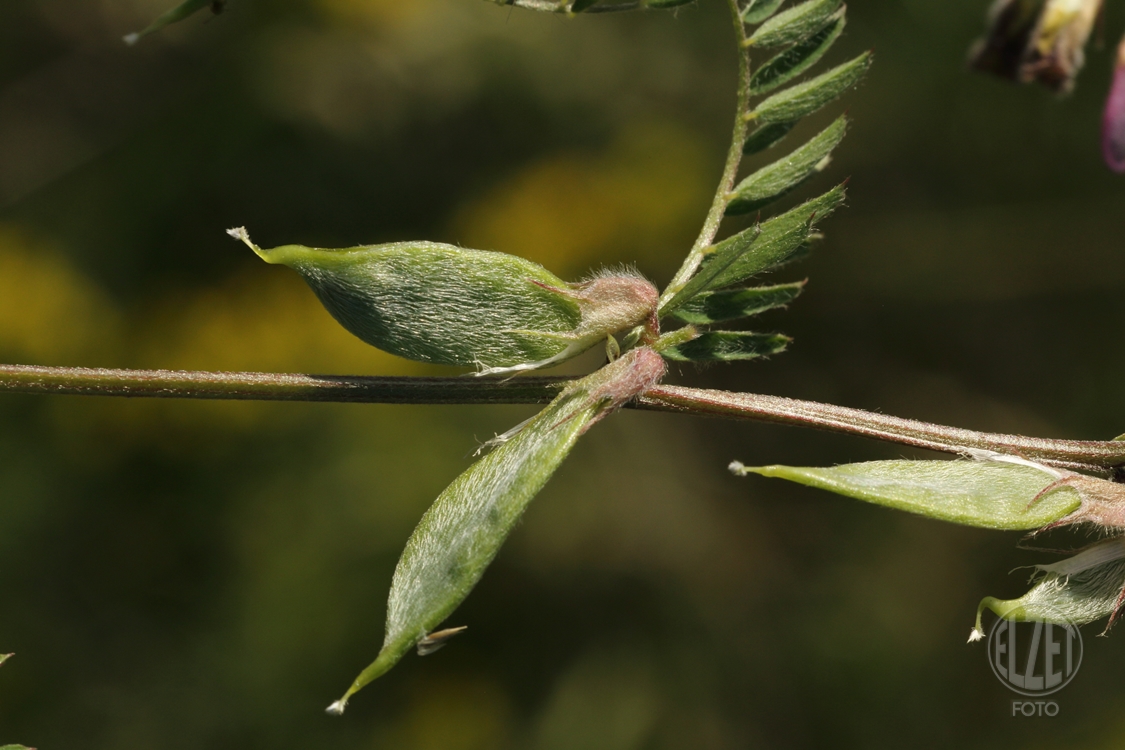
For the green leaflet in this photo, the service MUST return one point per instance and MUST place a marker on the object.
(727, 346)
(733, 304)
(14, 747)
(787, 65)
(775, 180)
(794, 25)
(717, 259)
(463, 530)
(472, 308)
(805, 98)
(756, 249)
(759, 10)
(781, 237)
(179, 13)
(4, 658)
(766, 136)
(1079, 590)
(988, 494)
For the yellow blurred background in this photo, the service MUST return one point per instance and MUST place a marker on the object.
(194, 574)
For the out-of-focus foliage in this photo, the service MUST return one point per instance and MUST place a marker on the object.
(194, 574)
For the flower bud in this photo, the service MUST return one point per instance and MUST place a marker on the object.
(1037, 40)
(1056, 54)
(1113, 124)
(447, 305)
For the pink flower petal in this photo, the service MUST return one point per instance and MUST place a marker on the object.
(1113, 124)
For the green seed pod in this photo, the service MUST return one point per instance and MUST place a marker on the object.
(447, 305)
(461, 533)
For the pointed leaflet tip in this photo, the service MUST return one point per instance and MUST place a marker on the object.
(131, 39)
(337, 708)
(975, 635)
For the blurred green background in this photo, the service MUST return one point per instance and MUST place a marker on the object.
(190, 575)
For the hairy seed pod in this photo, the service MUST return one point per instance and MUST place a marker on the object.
(460, 534)
(447, 305)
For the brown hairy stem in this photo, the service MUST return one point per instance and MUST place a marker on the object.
(1081, 455)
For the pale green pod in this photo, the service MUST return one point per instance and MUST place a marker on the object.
(463, 530)
(1000, 492)
(443, 304)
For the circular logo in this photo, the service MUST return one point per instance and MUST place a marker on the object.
(1035, 657)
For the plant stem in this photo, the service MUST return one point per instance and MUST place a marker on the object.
(264, 386)
(1081, 455)
(1092, 456)
(551, 6)
(730, 170)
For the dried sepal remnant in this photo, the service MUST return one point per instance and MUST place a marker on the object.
(1037, 40)
(438, 639)
(1103, 501)
(443, 304)
(463, 530)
